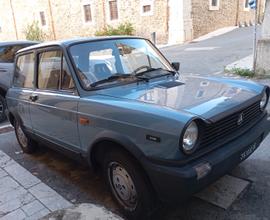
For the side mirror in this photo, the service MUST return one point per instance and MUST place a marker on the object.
(176, 66)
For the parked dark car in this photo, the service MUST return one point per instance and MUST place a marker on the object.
(120, 105)
(7, 56)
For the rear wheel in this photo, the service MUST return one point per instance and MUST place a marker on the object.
(2, 109)
(27, 144)
(128, 184)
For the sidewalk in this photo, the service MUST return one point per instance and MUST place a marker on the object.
(24, 196)
(245, 63)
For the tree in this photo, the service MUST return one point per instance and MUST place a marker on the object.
(34, 32)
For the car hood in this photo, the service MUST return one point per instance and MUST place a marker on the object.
(208, 98)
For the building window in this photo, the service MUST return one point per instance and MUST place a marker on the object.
(42, 18)
(87, 13)
(147, 7)
(246, 5)
(113, 9)
(214, 5)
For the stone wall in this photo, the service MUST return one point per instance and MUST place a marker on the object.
(174, 21)
(229, 13)
(25, 12)
(6, 22)
(68, 18)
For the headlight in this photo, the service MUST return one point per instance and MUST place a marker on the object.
(190, 138)
(264, 101)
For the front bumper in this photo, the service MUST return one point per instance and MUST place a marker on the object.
(175, 183)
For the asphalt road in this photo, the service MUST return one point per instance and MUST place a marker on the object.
(212, 55)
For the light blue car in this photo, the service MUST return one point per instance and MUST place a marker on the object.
(120, 105)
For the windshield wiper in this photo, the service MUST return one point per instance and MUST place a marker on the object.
(169, 72)
(111, 78)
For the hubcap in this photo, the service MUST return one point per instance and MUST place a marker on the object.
(123, 186)
(21, 136)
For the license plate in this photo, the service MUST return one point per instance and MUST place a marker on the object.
(249, 150)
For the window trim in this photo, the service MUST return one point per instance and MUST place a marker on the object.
(214, 8)
(145, 3)
(49, 49)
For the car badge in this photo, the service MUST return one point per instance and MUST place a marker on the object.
(240, 119)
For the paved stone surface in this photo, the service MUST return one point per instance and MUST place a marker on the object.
(51, 199)
(82, 212)
(16, 215)
(15, 199)
(224, 192)
(24, 177)
(33, 208)
(24, 196)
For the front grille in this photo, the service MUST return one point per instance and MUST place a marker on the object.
(230, 125)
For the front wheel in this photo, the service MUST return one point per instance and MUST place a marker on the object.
(128, 184)
(2, 109)
(27, 144)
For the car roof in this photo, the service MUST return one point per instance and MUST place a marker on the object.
(18, 42)
(69, 42)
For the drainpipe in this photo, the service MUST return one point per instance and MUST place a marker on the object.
(14, 20)
(104, 13)
(237, 13)
(52, 21)
(167, 16)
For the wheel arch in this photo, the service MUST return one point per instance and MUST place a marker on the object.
(108, 139)
(113, 140)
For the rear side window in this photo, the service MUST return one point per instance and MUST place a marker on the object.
(49, 70)
(7, 53)
(24, 72)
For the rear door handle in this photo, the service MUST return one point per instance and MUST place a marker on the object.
(3, 70)
(33, 97)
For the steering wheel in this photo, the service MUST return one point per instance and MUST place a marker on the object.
(141, 67)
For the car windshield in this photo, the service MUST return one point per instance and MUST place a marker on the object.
(114, 61)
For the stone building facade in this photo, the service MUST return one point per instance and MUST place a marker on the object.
(174, 21)
(209, 15)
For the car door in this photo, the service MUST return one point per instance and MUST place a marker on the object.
(22, 88)
(55, 102)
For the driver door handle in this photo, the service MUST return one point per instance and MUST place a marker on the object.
(33, 97)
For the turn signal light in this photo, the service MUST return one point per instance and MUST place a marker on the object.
(202, 170)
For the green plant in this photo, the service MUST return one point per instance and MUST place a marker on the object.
(123, 29)
(34, 32)
(243, 72)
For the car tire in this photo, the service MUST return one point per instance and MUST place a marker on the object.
(2, 109)
(27, 144)
(128, 184)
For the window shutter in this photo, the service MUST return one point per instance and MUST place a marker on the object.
(113, 10)
(87, 13)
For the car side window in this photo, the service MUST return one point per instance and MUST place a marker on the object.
(49, 69)
(24, 71)
(67, 82)
(7, 53)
